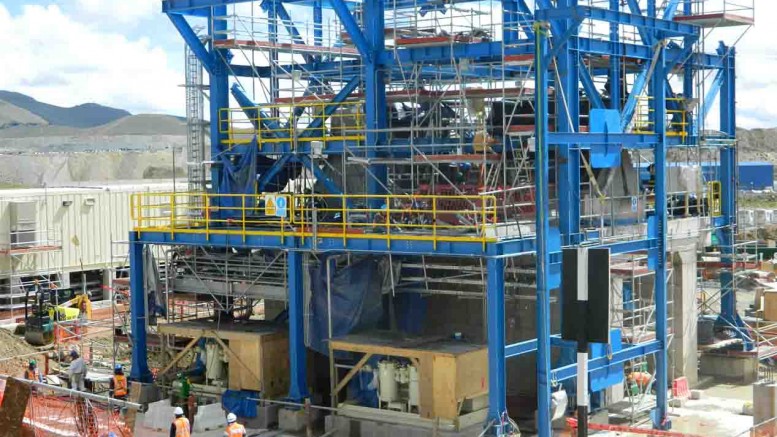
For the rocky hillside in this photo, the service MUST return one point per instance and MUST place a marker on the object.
(81, 116)
(46, 144)
(757, 144)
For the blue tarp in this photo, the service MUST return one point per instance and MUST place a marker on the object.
(356, 300)
(239, 402)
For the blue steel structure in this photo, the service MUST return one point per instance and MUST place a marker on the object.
(560, 58)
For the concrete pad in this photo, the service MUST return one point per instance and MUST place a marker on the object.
(742, 368)
(697, 394)
(209, 417)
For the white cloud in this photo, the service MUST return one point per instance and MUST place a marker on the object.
(124, 11)
(54, 58)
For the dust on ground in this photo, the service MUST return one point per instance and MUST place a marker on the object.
(14, 353)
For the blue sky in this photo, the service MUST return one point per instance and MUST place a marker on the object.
(125, 53)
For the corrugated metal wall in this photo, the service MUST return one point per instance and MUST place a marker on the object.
(86, 220)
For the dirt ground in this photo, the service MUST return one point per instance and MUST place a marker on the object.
(11, 347)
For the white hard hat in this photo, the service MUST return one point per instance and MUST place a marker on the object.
(231, 418)
(178, 411)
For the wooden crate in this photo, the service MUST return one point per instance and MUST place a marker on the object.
(449, 372)
(770, 305)
(258, 353)
(266, 360)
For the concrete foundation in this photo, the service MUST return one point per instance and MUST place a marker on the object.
(741, 368)
(341, 426)
(684, 353)
(266, 417)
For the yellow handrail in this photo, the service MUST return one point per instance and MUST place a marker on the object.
(432, 218)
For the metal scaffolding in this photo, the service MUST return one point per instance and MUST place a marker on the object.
(468, 142)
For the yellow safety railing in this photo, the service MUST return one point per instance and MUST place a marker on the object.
(435, 218)
(279, 123)
(714, 196)
(677, 126)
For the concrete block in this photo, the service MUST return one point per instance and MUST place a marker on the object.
(697, 394)
(209, 417)
(266, 417)
(159, 415)
(741, 368)
(341, 426)
(678, 402)
(147, 393)
(291, 420)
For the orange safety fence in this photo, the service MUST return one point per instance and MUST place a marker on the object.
(49, 415)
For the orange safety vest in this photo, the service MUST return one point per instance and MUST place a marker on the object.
(31, 375)
(119, 386)
(182, 427)
(236, 430)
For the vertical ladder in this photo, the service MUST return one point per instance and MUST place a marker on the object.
(195, 124)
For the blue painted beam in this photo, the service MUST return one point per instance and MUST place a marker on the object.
(528, 15)
(619, 357)
(138, 320)
(497, 374)
(350, 24)
(590, 88)
(636, 10)
(666, 28)
(543, 229)
(253, 112)
(195, 7)
(658, 106)
(331, 108)
(193, 41)
(637, 141)
(298, 388)
(712, 94)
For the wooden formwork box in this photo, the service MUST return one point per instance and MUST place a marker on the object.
(258, 355)
(449, 372)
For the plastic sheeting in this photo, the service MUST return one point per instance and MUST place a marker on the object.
(356, 299)
(240, 402)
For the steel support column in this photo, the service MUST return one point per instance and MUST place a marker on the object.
(543, 229)
(138, 319)
(615, 63)
(497, 376)
(219, 90)
(729, 317)
(298, 386)
(568, 120)
(658, 89)
(375, 96)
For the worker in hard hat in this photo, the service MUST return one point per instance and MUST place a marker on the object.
(31, 373)
(119, 383)
(234, 429)
(180, 426)
(77, 371)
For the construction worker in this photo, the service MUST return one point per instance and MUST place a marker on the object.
(31, 373)
(180, 426)
(234, 429)
(119, 383)
(77, 371)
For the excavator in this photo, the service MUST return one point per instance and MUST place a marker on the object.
(40, 313)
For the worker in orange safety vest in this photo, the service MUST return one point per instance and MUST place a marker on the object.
(119, 383)
(234, 429)
(31, 373)
(180, 426)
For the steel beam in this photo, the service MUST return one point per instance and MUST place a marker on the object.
(219, 91)
(193, 41)
(658, 105)
(138, 312)
(298, 386)
(352, 27)
(543, 229)
(497, 374)
(666, 28)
